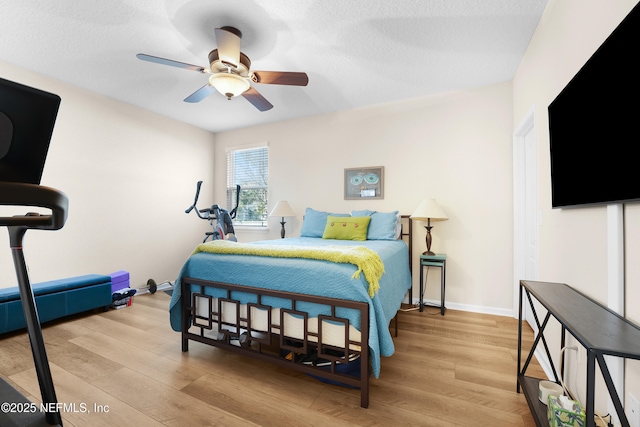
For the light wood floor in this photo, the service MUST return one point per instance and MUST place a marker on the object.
(125, 368)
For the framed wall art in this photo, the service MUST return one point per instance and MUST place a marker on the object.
(364, 183)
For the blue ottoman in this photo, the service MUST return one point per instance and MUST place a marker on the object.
(55, 299)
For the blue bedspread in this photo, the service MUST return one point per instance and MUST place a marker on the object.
(312, 277)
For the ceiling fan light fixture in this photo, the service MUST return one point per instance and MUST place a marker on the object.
(229, 84)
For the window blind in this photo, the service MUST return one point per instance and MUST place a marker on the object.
(249, 168)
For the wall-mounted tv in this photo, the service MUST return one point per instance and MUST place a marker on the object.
(594, 125)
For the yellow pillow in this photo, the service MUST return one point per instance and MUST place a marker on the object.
(346, 228)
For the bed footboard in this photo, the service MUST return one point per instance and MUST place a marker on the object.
(276, 326)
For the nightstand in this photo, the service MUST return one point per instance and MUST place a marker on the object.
(437, 260)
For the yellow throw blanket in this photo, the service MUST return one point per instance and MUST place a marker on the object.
(366, 260)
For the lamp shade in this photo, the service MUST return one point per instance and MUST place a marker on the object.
(429, 209)
(228, 84)
(282, 209)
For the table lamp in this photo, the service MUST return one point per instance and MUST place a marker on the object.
(429, 210)
(282, 209)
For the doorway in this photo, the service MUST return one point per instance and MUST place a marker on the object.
(525, 200)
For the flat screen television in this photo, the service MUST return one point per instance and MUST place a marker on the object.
(594, 125)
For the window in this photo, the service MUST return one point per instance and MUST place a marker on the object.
(249, 168)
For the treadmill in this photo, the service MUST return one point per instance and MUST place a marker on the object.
(27, 118)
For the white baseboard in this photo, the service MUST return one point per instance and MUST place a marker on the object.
(541, 356)
(470, 308)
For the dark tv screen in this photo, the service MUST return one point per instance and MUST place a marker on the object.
(27, 118)
(594, 125)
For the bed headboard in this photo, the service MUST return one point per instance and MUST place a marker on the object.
(406, 235)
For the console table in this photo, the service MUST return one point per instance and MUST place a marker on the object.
(597, 328)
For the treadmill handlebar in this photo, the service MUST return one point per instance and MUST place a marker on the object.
(21, 194)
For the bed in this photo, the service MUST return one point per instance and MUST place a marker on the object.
(315, 303)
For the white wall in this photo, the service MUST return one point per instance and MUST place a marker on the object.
(129, 175)
(454, 147)
(573, 242)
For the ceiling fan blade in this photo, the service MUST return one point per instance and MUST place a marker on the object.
(281, 78)
(200, 94)
(170, 62)
(228, 39)
(258, 101)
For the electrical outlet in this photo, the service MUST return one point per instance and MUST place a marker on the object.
(634, 411)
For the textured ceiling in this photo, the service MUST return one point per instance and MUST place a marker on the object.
(356, 52)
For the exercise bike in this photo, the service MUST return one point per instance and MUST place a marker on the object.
(222, 229)
(221, 220)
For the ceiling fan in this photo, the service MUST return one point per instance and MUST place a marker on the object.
(230, 72)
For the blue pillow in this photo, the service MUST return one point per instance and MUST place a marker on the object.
(383, 226)
(365, 212)
(315, 222)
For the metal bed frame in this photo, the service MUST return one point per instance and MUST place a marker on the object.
(239, 336)
(270, 343)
